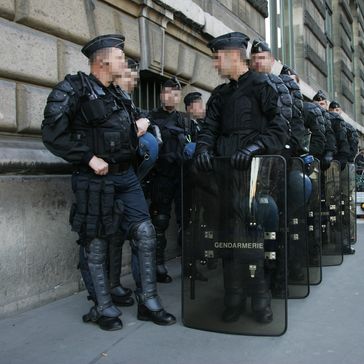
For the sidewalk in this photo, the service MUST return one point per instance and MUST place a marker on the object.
(327, 327)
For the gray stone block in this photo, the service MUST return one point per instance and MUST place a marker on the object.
(70, 59)
(129, 27)
(38, 253)
(186, 62)
(7, 9)
(31, 101)
(66, 18)
(205, 76)
(27, 55)
(105, 18)
(7, 106)
(171, 51)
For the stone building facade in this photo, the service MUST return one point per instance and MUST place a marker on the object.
(323, 40)
(40, 43)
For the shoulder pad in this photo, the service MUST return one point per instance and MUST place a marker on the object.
(58, 102)
(61, 91)
(277, 84)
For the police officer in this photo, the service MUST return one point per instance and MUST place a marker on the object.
(87, 123)
(352, 135)
(196, 110)
(243, 120)
(338, 126)
(302, 133)
(166, 182)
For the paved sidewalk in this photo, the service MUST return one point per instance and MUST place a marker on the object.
(327, 327)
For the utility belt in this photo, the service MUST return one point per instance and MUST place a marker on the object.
(96, 212)
(113, 168)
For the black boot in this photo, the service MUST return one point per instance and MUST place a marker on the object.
(232, 313)
(104, 322)
(261, 304)
(348, 250)
(104, 313)
(119, 294)
(149, 305)
(151, 310)
(162, 274)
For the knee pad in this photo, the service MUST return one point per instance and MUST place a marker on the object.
(161, 222)
(97, 250)
(143, 235)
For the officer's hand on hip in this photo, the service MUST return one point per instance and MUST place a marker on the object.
(242, 158)
(99, 166)
(143, 125)
(203, 161)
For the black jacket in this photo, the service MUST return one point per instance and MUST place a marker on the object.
(243, 112)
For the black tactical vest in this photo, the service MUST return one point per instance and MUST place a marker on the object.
(103, 121)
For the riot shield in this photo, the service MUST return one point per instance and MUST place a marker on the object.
(298, 191)
(345, 207)
(332, 247)
(314, 223)
(352, 203)
(234, 222)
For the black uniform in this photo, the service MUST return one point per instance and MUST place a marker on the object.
(353, 141)
(300, 136)
(244, 112)
(342, 146)
(330, 143)
(315, 123)
(243, 118)
(175, 130)
(83, 119)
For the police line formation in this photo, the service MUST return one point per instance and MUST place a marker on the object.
(261, 181)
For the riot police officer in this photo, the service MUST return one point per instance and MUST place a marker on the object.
(166, 182)
(352, 135)
(305, 136)
(338, 126)
(87, 123)
(244, 118)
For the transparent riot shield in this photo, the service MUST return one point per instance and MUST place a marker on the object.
(298, 190)
(352, 203)
(314, 223)
(332, 247)
(345, 207)
(234, 235)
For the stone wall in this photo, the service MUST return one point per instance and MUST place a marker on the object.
(40, 44)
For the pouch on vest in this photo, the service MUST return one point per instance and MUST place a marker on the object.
(93, 111)
(79, 209)
(107, 203)
(93, 213)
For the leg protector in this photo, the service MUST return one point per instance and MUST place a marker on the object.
(96, 257)
(85, 273)
(119, 294)
(143, 237)
(161, 223)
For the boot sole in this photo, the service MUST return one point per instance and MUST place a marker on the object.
(144, 318)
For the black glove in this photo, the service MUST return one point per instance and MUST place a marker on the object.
(242, 158)
(203, 161)
(326, 160)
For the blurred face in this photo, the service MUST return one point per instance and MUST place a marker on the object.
(170, 97)
(128, 80)
(336, 109)
(322, 103)
(262, 62)
(197, 109)
(110, 63)
(226, 61)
